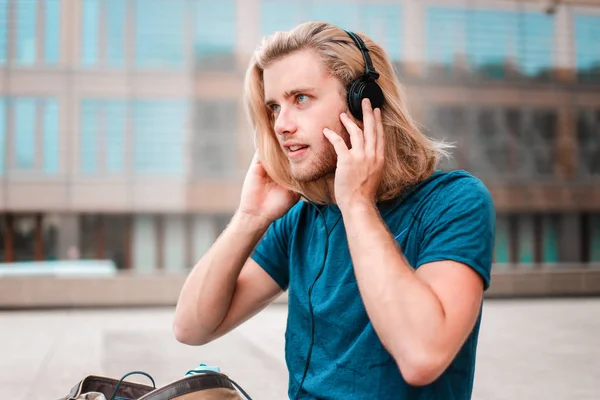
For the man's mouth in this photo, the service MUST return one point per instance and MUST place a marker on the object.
(296, 148)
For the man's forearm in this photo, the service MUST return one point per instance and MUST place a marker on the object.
(406, 314)
(207, 292)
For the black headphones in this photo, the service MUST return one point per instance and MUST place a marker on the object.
(365, 86)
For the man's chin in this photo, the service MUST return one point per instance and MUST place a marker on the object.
(303, 176)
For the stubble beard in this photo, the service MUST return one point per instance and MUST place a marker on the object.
(322, 164)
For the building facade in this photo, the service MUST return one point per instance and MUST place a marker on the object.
(123, 133)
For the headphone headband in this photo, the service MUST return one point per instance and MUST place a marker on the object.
(369, 69)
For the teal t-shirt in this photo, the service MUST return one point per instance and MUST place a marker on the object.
(449, 216)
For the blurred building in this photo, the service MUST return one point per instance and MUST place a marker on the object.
(123, 135)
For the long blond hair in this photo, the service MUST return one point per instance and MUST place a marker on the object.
(410, 156)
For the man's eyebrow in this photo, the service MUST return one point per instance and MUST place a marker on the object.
(291, 93)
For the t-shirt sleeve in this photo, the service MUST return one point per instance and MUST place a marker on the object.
(461, 227)
(272, 251)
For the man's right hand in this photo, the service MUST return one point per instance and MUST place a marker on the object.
(262, 199)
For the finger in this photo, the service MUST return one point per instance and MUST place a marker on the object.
(336, 141)
(356, 134)
(380, 146)
(369, 129)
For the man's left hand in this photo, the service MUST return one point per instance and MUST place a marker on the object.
(359, 169)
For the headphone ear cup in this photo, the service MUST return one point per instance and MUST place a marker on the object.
(360, 89)
(354, 99)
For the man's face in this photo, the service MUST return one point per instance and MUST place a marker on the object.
(303, 100)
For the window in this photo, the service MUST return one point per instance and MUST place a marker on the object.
(159, 33)
(52, 31)
(550, 238)
(110, 51)
(502, 245)
(215, 150)
(105, 237)
(103, 127)
(215, 34)
(382, 22)
(51, 138)
(3, 132)
(493, 43)
(379, 20)
(526, 242)
(513, 143)
(144, 243)
(588, 127)
(536, 140)
(25, 133)
(587, 59)
(449, 124)
(174, 242)
(3, 30)
(490, 155)
(594, 238)
(36, 131)
(158, 137)
(277, 18)
(26, 29)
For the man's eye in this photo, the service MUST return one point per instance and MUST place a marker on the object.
(302, 98)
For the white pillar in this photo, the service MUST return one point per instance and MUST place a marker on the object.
(564, 39)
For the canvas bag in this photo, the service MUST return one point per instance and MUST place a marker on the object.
(207, 385)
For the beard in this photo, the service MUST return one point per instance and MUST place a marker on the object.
(324, 162)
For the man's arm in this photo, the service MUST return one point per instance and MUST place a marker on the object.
(226, 287)
(421, 316)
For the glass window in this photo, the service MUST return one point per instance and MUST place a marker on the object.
(52, 31)
(89, 136)
(174, 242)
(3, 119)
(159, 30)
(25, 227)
(490, 40)
(526, 239)
(502, 246)
(594, 238)
(588, 126)
(536, 141)
(115, 32)
(90, 34)
(587, 59)
(490, 154)
(25, 132)
(144, 243)
(115, 125)
(214, 138)
(26, 30)
(382, 22)
(449, 125)
(203, 233)
(159, 132)
(274, 17)
(3, 30)
(106, 120)
(338, 12)
(51, 137)
(215, 34)
(550, 237)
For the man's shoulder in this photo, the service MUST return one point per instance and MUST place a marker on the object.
(457, 186)
(443, 192)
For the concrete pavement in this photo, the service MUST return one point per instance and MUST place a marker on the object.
(529, 349)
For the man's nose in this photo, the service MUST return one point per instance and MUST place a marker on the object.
(285, 122)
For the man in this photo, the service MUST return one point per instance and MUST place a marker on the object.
(385, 259)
